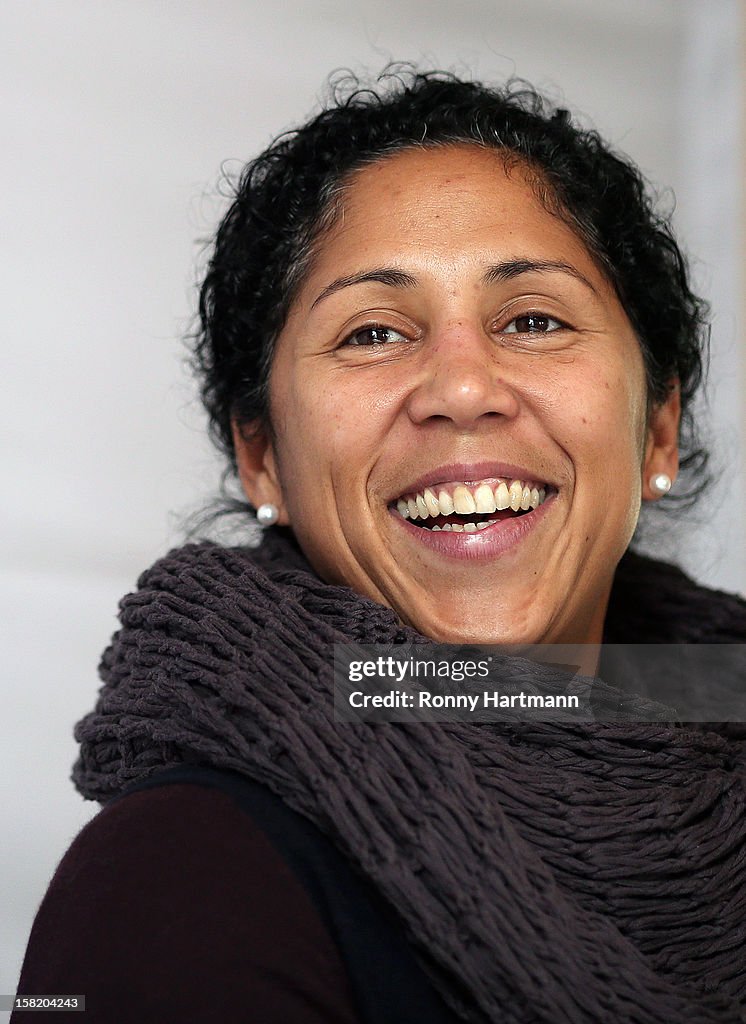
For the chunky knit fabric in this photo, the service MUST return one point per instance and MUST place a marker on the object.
(561, 873)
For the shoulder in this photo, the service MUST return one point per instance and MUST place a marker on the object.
(173, 903)
(656, 602)
(200, 888)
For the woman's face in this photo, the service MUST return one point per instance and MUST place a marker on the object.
(451, 338)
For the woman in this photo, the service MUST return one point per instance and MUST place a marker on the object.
(450, 350)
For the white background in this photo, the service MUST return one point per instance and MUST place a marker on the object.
(116, 118)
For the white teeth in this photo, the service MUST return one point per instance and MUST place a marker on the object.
(447, 527)
(484, 498)
(432, 502)
(470, 527)
(502, 497)
(516, 495)
(436, 529)
(457, 527)
(446, 503)
(463, 500)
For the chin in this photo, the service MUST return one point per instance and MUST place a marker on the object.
(455, 630)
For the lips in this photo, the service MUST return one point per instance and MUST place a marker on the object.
(477, 510)
(469, 541)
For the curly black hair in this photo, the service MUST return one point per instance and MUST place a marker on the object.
(286, 198)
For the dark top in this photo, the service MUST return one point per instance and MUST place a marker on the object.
(198, 895)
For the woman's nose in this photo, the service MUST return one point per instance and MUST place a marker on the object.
(461, 380)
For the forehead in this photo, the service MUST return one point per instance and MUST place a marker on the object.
(427, 170)
(445, 203)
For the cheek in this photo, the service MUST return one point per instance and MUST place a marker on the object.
(602, 428)
(327, 437)
(615, 432)
(619, 396)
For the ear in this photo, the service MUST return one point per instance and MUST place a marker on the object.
(257, 466)
(662, 443)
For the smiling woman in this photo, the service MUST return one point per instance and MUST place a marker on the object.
(450, 350)
(434, 372)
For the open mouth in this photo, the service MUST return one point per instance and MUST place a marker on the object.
(469, 507)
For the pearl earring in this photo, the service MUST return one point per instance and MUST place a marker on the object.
(660, 484)
(267, 515)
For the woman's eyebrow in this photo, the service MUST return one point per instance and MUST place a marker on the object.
(382, 275)
(514, 268)
(504, 271)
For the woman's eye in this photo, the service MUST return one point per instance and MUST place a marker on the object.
(533, 323)
(374, 336)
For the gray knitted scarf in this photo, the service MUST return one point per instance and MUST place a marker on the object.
(557, 873)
